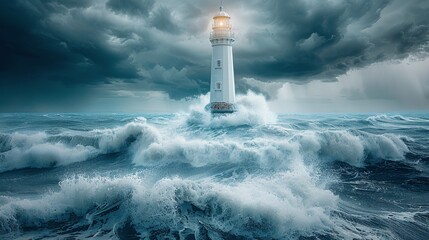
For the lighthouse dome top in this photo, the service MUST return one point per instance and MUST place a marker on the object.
(221, 13)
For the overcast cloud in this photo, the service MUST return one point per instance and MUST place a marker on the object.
(61, 55)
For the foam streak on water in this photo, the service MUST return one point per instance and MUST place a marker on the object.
(250, 174)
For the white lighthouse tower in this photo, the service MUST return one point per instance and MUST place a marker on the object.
(222, 86)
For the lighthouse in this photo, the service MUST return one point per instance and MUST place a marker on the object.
(222, 86)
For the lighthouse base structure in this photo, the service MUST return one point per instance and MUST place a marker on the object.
(221, 107)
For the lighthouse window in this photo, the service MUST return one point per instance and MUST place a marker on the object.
(219, 63)
(218, 85)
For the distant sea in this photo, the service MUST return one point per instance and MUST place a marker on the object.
(248, 175)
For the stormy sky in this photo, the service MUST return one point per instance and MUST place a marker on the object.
(147, 55)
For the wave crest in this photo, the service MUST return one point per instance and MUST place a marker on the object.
(355, 148)
(278, 205)
(120, 138)
(40, 150)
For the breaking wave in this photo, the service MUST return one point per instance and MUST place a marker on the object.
(252, 109)
(41, 150)
(276, 206)
(356, 149)
(150, 147)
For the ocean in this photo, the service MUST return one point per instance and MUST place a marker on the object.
(189, 175)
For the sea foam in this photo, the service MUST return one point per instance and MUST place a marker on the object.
(252, 109)
(281, 204)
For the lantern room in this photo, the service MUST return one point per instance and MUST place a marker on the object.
(221, 20)
(222, 28)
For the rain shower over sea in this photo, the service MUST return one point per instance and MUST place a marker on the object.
(246, 175)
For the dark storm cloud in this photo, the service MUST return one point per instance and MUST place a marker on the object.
(133, 7)
(323, 39)
(52, 47)
(62, 49)
(163, 21)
